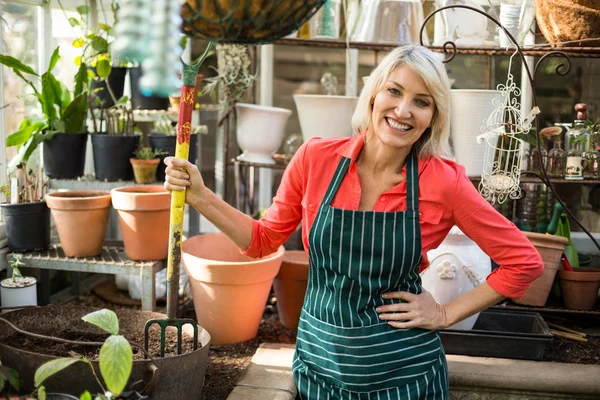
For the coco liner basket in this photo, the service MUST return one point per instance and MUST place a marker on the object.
(245, 21)
(176, 378)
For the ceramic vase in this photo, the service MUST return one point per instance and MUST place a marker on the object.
(230, 290)
(449, 277)
(550, 248)
(260, 131)
(469, 109)
(325, 116)
(144, 220)
(290, 287)
(81, 218)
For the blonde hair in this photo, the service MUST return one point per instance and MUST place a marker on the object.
(435, 140)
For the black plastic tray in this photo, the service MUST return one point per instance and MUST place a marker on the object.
(497, 333)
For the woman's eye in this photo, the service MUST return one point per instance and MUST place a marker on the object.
(394, 91)
(422, 103)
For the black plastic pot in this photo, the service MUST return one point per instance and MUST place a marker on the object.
(111, 156)
(138, 100)
(64, 155)
(27, 225)
(60, 396)
(116, 80)
(167, 144)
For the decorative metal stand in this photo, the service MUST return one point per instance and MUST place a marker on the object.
(561, 70)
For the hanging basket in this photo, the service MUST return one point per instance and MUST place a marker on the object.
(569, 20)
(245, 21)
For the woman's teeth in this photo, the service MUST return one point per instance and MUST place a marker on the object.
(397, 126)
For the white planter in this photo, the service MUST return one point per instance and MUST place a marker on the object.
(260, 131)
(325, 116)
(17, 296)
(469, 109)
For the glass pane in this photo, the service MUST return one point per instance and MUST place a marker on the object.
(64, 35)
(20, 40)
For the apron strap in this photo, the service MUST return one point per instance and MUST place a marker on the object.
(337, 180)
(412, 182)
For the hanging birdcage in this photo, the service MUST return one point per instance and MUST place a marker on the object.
(501, 173)
(245, 21)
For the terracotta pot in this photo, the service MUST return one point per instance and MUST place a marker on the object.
(290, 287)
(580, 287)
(144, 219)
(81, 218)
(144, 170)
(569, 20)
(550, 248)
(230, 290)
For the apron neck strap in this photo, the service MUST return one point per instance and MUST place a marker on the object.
(412, 181)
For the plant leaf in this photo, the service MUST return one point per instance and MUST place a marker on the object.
(22, 135)
(104, 27)
(53, 60)
(74, 22)
(116, 361)
(48, 97)
(82, 10)
(65, 98)
(25, 151)
(85, 396)
(103, 68)
(16, 65)
(50, 368)
(77, 61)
(78, 43)
(100, 44)
(104, 319)
(81, 78)
(42, 393)
(74, 116)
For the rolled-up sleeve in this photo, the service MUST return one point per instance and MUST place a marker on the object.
(284, 214)
(519, 261)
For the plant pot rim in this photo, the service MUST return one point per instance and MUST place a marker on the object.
(263, 108)
(581, 274)
(78, 195)
(22, 204)
(141, 190)
(18, 287)
(139, 161)
(545, 240)
(328, 96)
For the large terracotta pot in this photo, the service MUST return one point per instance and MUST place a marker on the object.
(81, 218)
(550, 248)
(230, 290)
(569, 20)
(144, 220)
(290, 287)
(580, 287)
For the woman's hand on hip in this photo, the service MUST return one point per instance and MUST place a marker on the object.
(181, 174)
(418, 311)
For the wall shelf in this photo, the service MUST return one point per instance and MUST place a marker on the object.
(575, 52)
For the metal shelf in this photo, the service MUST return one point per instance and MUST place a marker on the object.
(256, 165)
(532, 179)
(581, 52)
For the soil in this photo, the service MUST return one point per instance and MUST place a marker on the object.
(227, 362)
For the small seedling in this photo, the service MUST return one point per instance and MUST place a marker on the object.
(147, 153)
(15, 263)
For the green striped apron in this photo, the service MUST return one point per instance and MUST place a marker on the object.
(343, 350)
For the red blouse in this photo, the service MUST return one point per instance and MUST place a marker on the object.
(446, 198)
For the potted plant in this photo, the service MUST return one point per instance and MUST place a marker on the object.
(63, 125)
(24, 211)
(145, 164)
(113, 149)
(18, 290)
(164, 137)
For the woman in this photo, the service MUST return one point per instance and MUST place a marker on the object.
(372, 206)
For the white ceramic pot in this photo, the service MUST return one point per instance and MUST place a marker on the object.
(469, 109)
(464, 248)
(23, 293)
(260, 131)
(447, 278)
(325, 116)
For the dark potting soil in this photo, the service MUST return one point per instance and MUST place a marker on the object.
(58, 349)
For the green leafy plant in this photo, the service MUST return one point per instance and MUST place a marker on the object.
(61, 111)
(16, 263)
(594, 129)
(147, 153)
(8, 378)
(115, 360)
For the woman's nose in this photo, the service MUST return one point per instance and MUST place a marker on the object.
(403, 109)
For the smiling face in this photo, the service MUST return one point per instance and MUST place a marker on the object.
(403, 109)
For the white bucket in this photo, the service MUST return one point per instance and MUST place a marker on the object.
(469, 110)
(325, 116)
(260, 131)
(18, 296)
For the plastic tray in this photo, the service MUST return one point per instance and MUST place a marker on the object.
(497, 333)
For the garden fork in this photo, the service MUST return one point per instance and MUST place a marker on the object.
(184, 128)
